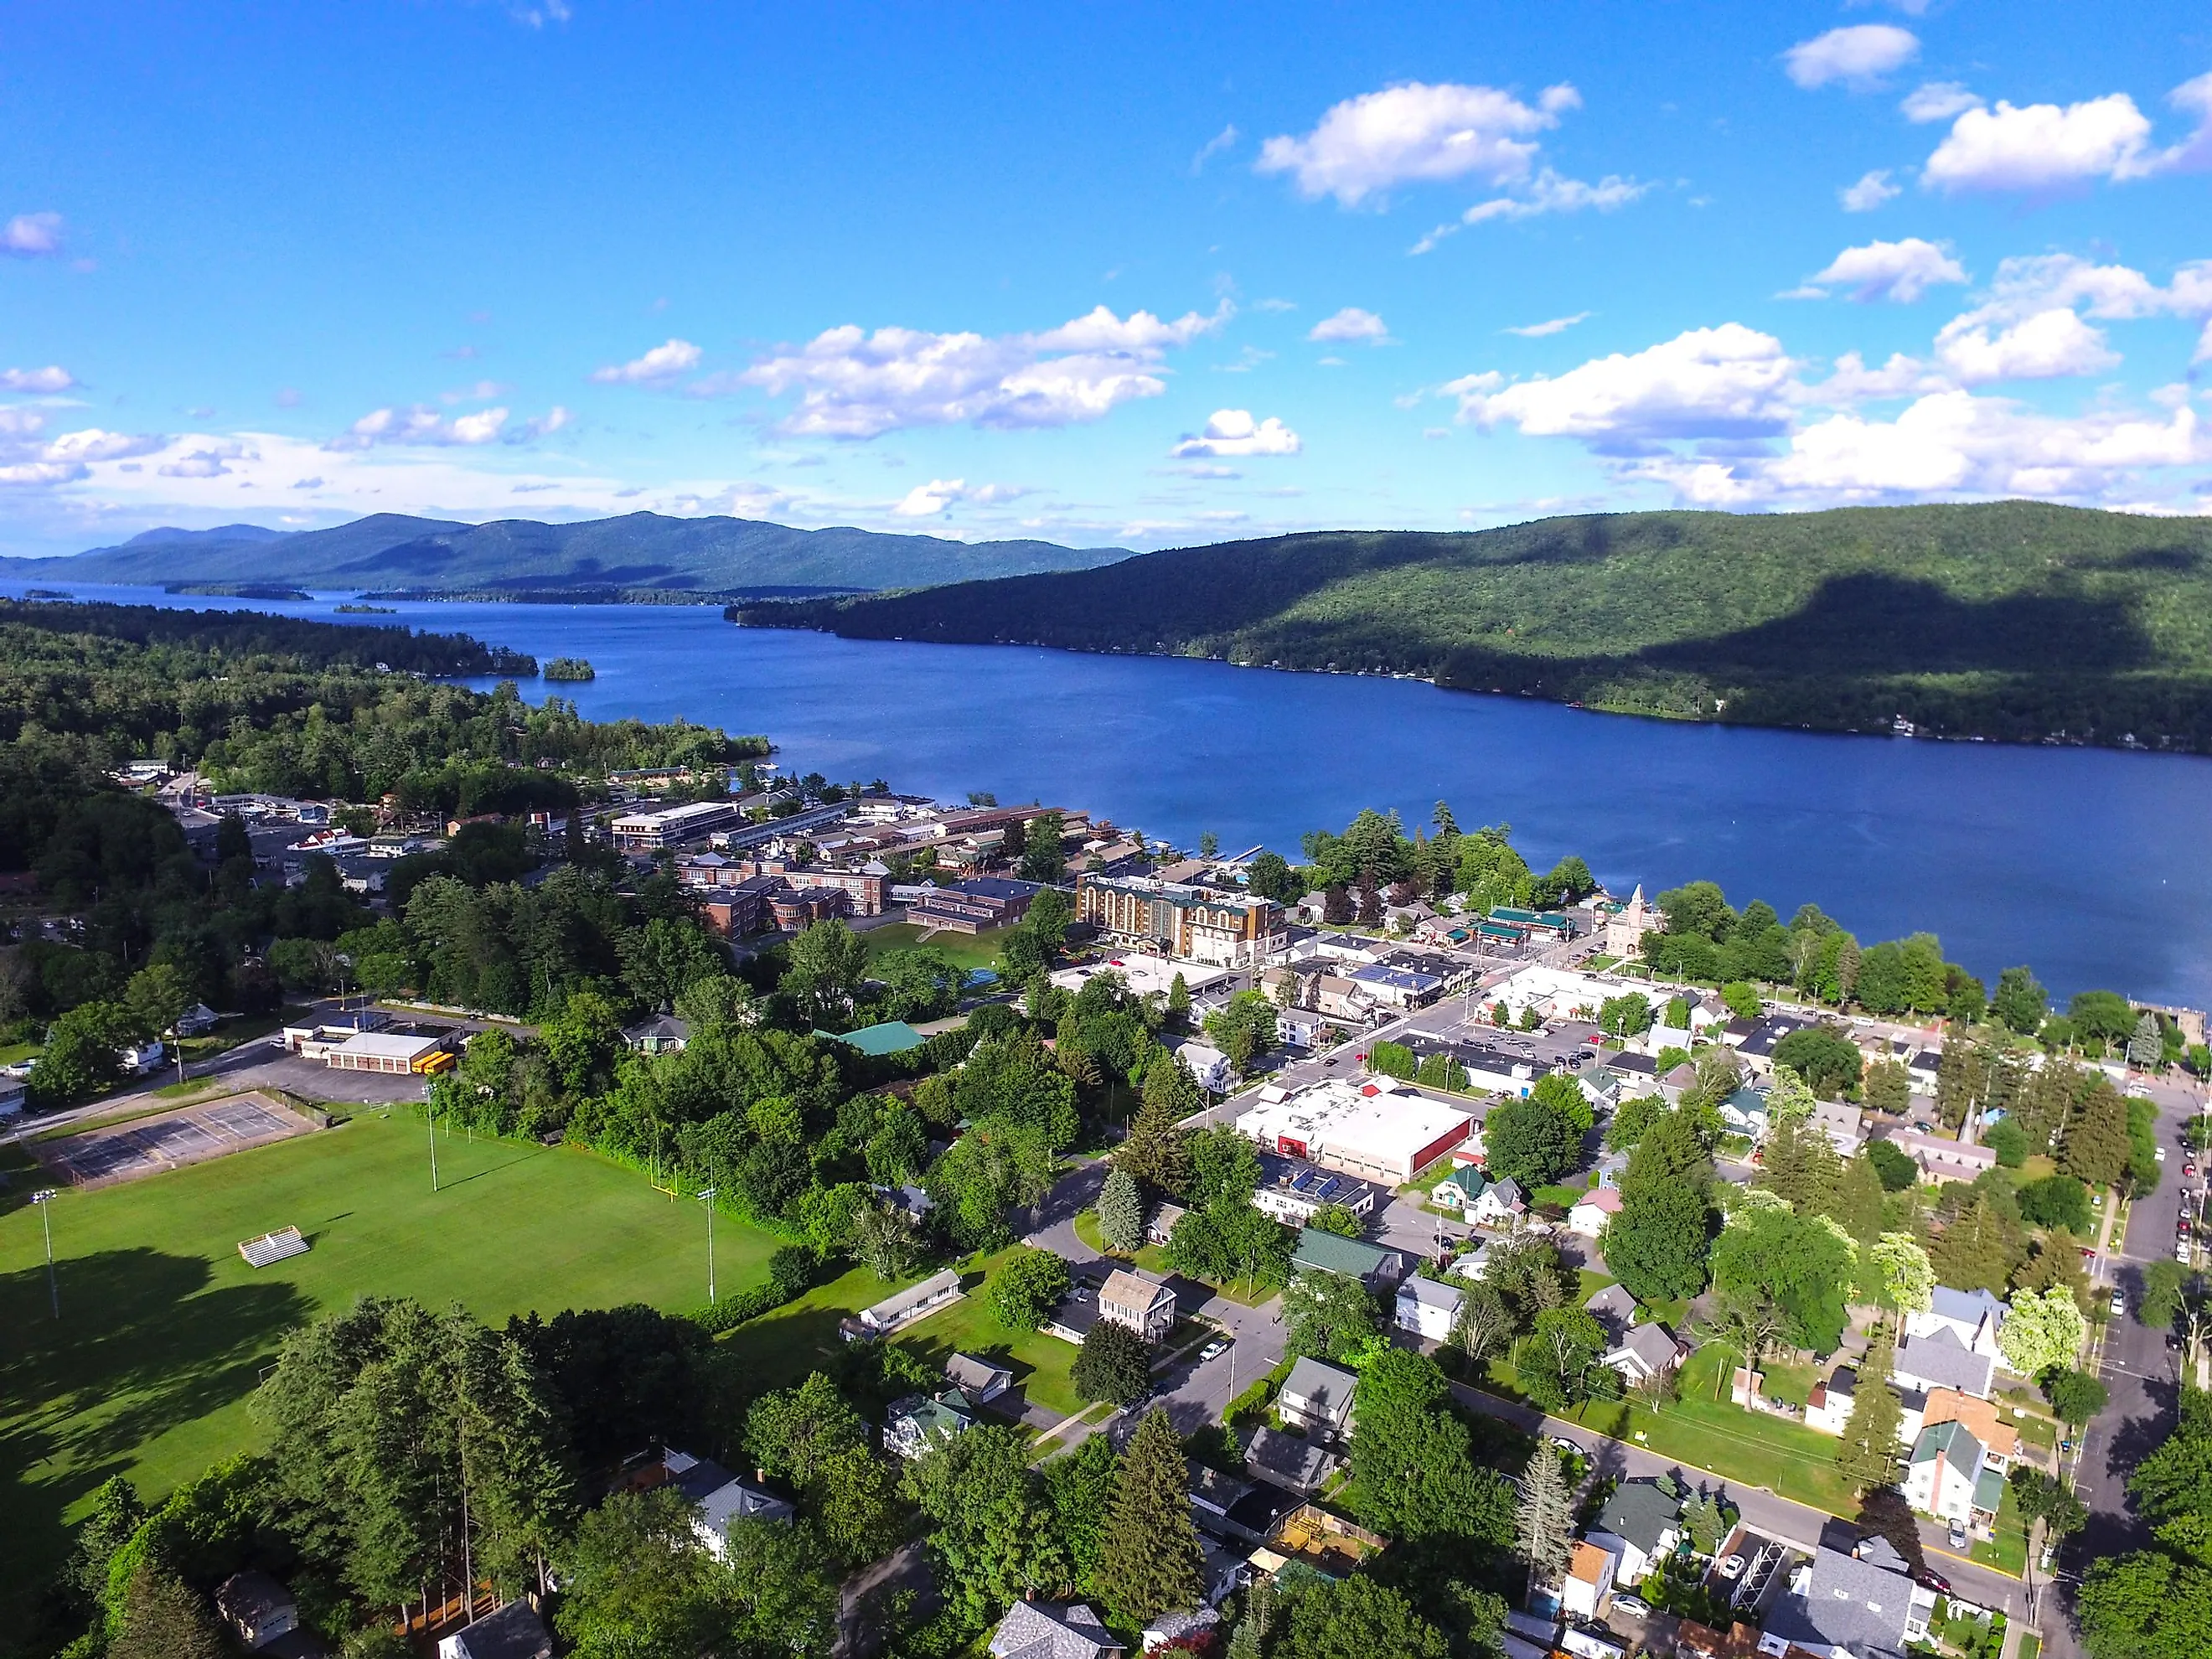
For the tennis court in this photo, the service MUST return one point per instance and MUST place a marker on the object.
(190, 1134)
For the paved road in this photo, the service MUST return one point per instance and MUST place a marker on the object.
(2137, 1367)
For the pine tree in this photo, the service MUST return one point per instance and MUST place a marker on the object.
(1974, 1252)
(1544, 1522)
(1154, 1151)
(2096, 1145)
(1179, 1000)
(1121, 1213)
(1868, 1453)
(1259, 1617)
(2148, 1046)
(1149, 1559)
(164, 1619)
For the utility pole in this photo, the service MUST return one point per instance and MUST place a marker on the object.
(43, 1199)
(430, 1117)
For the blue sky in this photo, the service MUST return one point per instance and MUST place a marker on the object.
(1137, 275)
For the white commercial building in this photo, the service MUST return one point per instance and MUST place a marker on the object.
(671, 826)
(1378, 1132)
(1558, 993)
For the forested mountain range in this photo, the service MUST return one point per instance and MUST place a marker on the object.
(2012, 620)
(644, 553)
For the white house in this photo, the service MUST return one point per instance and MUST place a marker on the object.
(514, 1632)
(1209, 1066)
(1945, 1467)
(1300, 1028)
(979, 1379)
(1428, 1309)
(1971, 1319)
(1499, 1203)
(1928, 1363)
(1317, 1398)
(1647, 1352)
(1593, 1210)
(1589, 1576)
(718, 1498)
(1828, 1408)
(1638, 1526)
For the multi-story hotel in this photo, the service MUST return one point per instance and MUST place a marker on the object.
(1194, 924)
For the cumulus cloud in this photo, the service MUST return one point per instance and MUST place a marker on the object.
(1897, 271)
(1349, 324)
(207, 462)
(28, 456)
(668, 362)
(2046, 346)
(1858, 55)
(539, 426)
(927, 500)
(1938, 100)
(51, 379)
(1725, 382)
(1233, 432)
(1871, 190)
(1416, 133)
(2042, 147)
(420, 425)
(32, 236)
(854, 384)
(1550, 326)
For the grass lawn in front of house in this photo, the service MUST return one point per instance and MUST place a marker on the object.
(1149, 1257)
(1590, 1283)
(1040, 1364)
(1789, 1381)
(2008, 1551)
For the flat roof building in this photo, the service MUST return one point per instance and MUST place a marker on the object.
(1184, 922)
(1379, 1133)
(671, 826)
(377, 1051)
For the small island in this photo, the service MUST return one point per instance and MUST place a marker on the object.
(263, 590)
(363, 611)
(569, 668)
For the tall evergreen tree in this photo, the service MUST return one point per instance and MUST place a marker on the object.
(1868, 1453)
(1122, 1212)
(1976, 1249)
(163, 1617)
(2096, 1143)
(1544, 1520)
(1149, 1559)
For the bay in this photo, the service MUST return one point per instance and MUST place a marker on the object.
(2090, 865)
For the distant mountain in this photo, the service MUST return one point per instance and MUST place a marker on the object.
(641, 551)
(2011, 620)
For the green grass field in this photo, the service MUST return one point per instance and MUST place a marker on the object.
(963, 950)
(165, 1330)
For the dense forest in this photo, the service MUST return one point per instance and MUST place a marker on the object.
(2012, 621)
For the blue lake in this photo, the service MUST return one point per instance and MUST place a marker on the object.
(2090, 865)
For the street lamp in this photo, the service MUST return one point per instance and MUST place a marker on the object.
(706, 1197)
(43, 1199)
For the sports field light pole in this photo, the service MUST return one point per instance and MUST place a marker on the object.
(44, 1198)
(430, 1117)
(706, 1197)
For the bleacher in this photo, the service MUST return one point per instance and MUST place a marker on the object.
(271, 1248)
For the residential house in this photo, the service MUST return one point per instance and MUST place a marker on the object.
(1190, 1630)
(1140, 1302)
(1472, 1263)
(663, 1034)
(1844, 1125)
(1208, 1065)
(1593, 1210)
(1638, 1074)
(1428, 1309)
(140, 1057)
(1294, 1192)
(1929, 1363)
(195, 1021)
(1852, 1607)
(259, 1610)
(1677, 1081)
(1372, 1265)
(1744, 1112)
(1053, 1630)
(718, 1498)
(1941, 1474)
(915, 1302)
(1828, 1408)
(1922, 1067)
(922, 1422)
(1301, 1028)
(1589, 1578)
(1940, 1158)
(1755, 1040)
(1646, 1351)
(1999, 1439)
(1317, 1398)
(1460, 1190)
(1161, 1225)
(1287, 1461)
(979, 1379)
(1970, 1318)
(1615, 1309)
(1500, 1202)
(1638, 1525)
(514, 1632)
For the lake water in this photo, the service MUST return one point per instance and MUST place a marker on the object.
(2090, 864)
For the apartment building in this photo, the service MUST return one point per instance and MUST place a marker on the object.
(1195, 924)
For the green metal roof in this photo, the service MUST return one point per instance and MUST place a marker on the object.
(1350, 1257)
(893, 1037)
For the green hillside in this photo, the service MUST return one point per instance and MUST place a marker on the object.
(2012, 620)
(637, 553)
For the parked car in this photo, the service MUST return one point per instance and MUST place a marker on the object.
(1635, 1607)
(1930, 1579)
(1730, 1566)
(2160, 1154)
(1213, 1350)
(2119, 1305)
(1958, 1534)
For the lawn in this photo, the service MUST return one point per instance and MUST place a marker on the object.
(1040, 1364)
(165, 1330)
(1151, 1257)
(2008, 1551)
(963, 950)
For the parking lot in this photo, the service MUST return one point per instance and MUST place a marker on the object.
(190, 1134)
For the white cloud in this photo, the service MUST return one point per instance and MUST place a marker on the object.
(1850, 382)
(204, 463)
(1232, 432)
(1858, 55)
(32, 236)
(926, 501)
(1348, 324)
(2203, 354)
(1416, 133)
(1871, 190)
(51, 379)
(421, 425)
(2044, 346)
(539, 426)
(2041, 147)
(1550, 192)
(1551, 326)
(667, 362)
(1938, 100)
(27, 456)
(1725, 382)
(853, 383)
(1223, 140)
(1898, 272)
